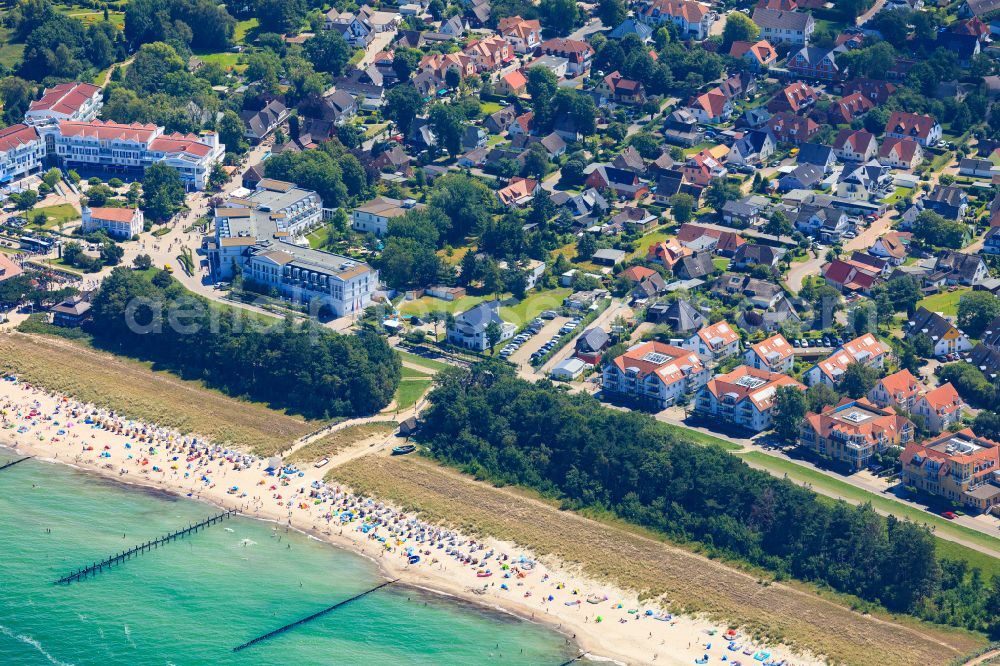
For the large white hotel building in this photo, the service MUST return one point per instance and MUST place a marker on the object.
(62, 128)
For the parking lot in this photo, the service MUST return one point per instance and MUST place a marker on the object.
(532, 343)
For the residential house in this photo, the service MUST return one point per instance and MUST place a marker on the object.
(513, 83)
(940, 408)
(743, 397)
(957, 466)
(367, 83)
(500, 121)
(591, 344)
(523, 34)
(649, 288)
(803, 177)
(615, 87)
(469, 329)
(260, 124)
(9, 269)
(693, 19)
(790, 128)
(518, 192)
(855, 145)
(783, 26)
(760, 55)
(681, 129)
(864, 182)
(636, 219)
(975, 167)
(876, 90)
(866, 350)
(701, 168)
(477, 13)
(678, 315)
(625, 184)
(945, 337)
(901, 153)
(961, 268)
(70, 313)
(694, 266)
(772, 354)
(736, 286)
(631, 26)
(854, 431)
(721, 242)
(900, 389)
(849, 107)
(489, 53)
(608, 257)
(578, 54)
(817, 154)
(795, 97)
(630, 160)
(743, 213)
(655, 374)
(714, 343)
(667, 252)
(815, 63)
(555, 64)
(373, 216)
(991, 241)
(851, 277)
(891, 247)
(949, 201)
(711, 107)
(904, 125)
(751, 254)
(755, 147)
(825, 222)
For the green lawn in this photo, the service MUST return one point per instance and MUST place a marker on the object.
(495, 139)
(320, 238)
(242, 28)
(9, 250)
(720, 263)
(897, 195)
(409, 392)
(701, 438)
(425, 304)
(489, 108)
(845, 490)
(225, 59)
(410, 373)
(429, 363)
(372, 130)
(647, 240)
(56, 215)
(946, 302)
(534, 304)
(697, 148)
(10, 53)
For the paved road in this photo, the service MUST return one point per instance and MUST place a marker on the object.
(799, 271)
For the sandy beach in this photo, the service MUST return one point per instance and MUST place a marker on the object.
(605, 622)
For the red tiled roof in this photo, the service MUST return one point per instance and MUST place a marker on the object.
(113, 214)
(64, 98)
(108, 130)
(901, 383)
(16, 135)
(8, 269)
(905, 149)
(902, 122)
(179, 143)
(762, 396)
(943, 399)
(721, 331)
(637, 273)
(776, 344)
(670, 371)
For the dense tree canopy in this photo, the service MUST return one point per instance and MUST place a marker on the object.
(571, 448)
(307, 369)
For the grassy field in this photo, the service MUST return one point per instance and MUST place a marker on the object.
(534, 304)
(845, 490)
(425, 304)
(429, 363)
(488, 108)
(720, 263)
(673, 576)
(135, 390)
(320, 238)
(646, 241)
(946, 302)
(10, 53)
(702, 438)
(225, 59)
(409, 391)
(410, 373)
(242, 28)
(338, 440)
(56, 215)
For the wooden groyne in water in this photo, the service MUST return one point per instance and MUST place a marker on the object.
(14, 462)
(98, 567)
(289, 627)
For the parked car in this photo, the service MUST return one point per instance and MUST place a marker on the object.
(950, 515)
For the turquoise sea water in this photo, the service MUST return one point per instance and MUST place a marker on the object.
(193, 600)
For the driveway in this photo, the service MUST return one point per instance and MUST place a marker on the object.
(523, 355)
(799, 271)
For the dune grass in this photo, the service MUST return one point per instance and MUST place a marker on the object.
(338, 440)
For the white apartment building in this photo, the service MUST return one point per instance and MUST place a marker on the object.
(262, 235)
(133, 147)
(714, 342)
(743, 397)
(373, 216)
(66, 101)
(117, 222)
(22, 152)
(655, 374)
(773, 354)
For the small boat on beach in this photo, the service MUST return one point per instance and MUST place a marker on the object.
(322, 463)
(403, 449)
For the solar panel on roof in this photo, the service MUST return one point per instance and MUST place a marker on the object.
(656, 357)
(855, 417)
(749, 382)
